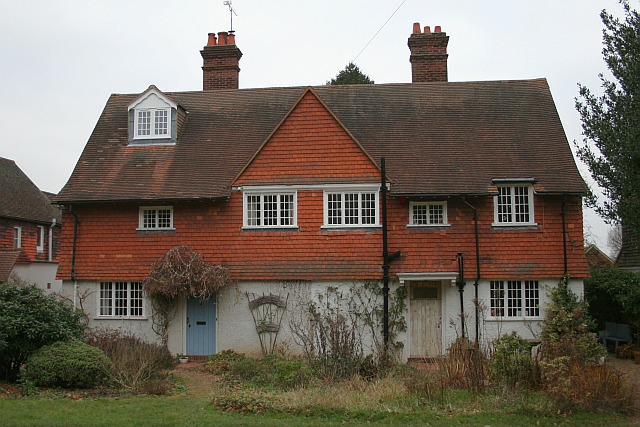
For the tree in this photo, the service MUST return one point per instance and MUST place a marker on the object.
(29, 320)
(351, 75)
(611, 123)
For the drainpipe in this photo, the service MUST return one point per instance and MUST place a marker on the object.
(461, 285)
(475, 284)
(386, 257)
(564, 235)
(73, 256)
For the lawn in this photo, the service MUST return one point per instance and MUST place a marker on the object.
(191, 406)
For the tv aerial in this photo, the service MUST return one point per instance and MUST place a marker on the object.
(231, 12)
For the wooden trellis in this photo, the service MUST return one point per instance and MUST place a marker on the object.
(267, 312)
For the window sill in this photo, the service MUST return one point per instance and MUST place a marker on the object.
(533, 226)
(154, 230)
(349, 227)
(267, 229)
(515, 319)
(120, 318)
(429, 227)
(142, 142)
(40, 250)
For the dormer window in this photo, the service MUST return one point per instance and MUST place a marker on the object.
(152, 118)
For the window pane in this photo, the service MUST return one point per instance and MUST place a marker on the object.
(144, 122)
(286, 209)
(270, 209)
(497, 298)
(531, 298)
(149, 218)
(514, 298)
(253, 211)
(351, 211)
(436, 214)
(521, 204)
(135, 298)
(504, 204)
(106, 301)
(120, 298)
(164, 218)
(368, 208)
(334, 208)
(420, 215)
(161, 120)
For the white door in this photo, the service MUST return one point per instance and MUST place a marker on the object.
(426, 319)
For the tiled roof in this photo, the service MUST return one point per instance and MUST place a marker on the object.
(629, 256)
(21, 199)
(7, 261)
(438, 139)
(597, 258)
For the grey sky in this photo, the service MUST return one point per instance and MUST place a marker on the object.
(61, 59)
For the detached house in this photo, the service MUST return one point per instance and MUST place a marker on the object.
(29, 230)
(283, 186)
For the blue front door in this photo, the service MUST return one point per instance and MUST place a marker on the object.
(201, 327)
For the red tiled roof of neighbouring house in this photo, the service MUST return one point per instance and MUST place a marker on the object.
(7, 262)
(21, 199)
(437, 138)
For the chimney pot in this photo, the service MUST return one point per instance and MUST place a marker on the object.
(222, 37)
(212, 39)
(231, 39)
(427, 29)
(416, 27)
(438, 29)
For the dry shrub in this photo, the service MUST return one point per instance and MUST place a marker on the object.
(425, 384)
(353, 395)
(625, 351)
(463, 366)
(136, 363)
(596, 388)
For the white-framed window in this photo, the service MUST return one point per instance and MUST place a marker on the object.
(156, 218)
(120, 299)
(514, 205)
(514, 298)
(351, 208)
(152, 123)
(428, 213)
(17, 237)
(151, 117)
(40, 239)
(270, 210)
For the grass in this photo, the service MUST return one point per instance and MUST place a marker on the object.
(352, 403)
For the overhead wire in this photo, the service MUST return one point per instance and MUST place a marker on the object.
(377, 32)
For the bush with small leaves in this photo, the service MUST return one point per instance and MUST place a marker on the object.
(29, 320)
(512, 364)
(68, 364)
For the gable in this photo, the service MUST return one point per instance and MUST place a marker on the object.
(309, 146)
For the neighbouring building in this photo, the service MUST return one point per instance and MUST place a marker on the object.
(29, 230)
(283, 186)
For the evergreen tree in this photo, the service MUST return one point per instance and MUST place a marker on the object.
(351, 75)
(611, 122)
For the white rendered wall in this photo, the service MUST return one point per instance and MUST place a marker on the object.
(42, 274)
(235, 326)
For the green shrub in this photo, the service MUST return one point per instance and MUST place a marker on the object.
(135, 362)
(613, 295)
(512, 363)
(291, 373)
(253, 371)
(68, 364)
(220, 363)
(29, 320)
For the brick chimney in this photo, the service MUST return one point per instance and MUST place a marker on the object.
(428, 54)
(221, 58)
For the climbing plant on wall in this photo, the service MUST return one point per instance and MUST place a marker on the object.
(180, 273)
